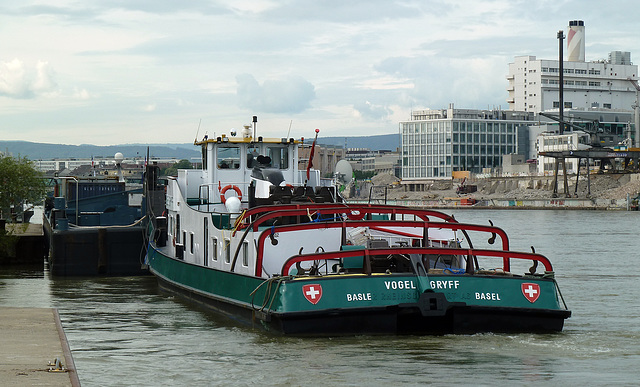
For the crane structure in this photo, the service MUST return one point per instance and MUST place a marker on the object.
(636, 111)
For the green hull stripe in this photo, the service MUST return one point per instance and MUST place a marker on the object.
(350, 291)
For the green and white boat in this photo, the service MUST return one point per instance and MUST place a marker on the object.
(254, 237)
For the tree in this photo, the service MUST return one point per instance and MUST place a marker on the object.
(20, 183)
(173, 170)
(362, 175)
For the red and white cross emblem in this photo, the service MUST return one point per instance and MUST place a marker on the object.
(531, 291)
(312, 292)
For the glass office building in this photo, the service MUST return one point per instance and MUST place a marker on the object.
(437, 142)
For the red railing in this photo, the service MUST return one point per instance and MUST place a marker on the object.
(367, 253)
(353, 212)
(385, 224)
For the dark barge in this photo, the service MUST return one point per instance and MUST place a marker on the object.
(94, 226)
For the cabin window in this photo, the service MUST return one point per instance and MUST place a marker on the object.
(191, 243)
(227, 251)
(184, 239)
(177, 233)
(205, 229)
(228, 157)
(279, 156)
(245, 254)
(252, 156)
(205, 159)
(214, 248)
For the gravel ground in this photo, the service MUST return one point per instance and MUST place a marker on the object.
(604, 186)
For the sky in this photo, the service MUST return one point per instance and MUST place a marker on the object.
(108, 72)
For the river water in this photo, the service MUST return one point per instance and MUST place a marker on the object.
(125, 332)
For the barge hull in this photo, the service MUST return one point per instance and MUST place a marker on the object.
(96, 251)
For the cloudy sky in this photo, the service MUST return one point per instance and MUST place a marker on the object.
(157, 71)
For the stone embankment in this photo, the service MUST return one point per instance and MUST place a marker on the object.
(602, 191)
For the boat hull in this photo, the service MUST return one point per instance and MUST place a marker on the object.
(376, 308)
(460, 319)
(95, 251)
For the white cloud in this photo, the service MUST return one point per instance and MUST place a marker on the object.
(369, 111)
(290, 95)
(150, 107)
(80, 94)
(20, 81)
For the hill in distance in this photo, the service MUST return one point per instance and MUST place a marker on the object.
(42, 151)
(374, 143)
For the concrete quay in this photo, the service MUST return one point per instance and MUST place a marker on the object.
(31, 340)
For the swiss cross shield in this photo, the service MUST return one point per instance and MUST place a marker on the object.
(312, 292)
(531, 291)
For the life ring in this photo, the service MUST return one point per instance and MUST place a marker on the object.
(228, 187)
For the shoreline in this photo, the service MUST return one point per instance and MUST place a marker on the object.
(618, 192)
(513, 204)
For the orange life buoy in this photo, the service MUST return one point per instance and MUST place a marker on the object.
(228, 187)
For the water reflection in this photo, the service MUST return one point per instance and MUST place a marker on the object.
(25, 287)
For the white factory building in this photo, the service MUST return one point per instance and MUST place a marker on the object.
(533, 84)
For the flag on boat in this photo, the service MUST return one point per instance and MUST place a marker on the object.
(313, 149)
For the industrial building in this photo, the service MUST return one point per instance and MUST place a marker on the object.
(601, 129)
(437, 142)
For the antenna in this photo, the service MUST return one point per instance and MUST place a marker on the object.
(255, 124)
(344, 172)
(290, 123)
(197, 131)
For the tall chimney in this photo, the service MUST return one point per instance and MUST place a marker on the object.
(575, 41)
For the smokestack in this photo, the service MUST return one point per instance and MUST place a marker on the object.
(575, 41)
